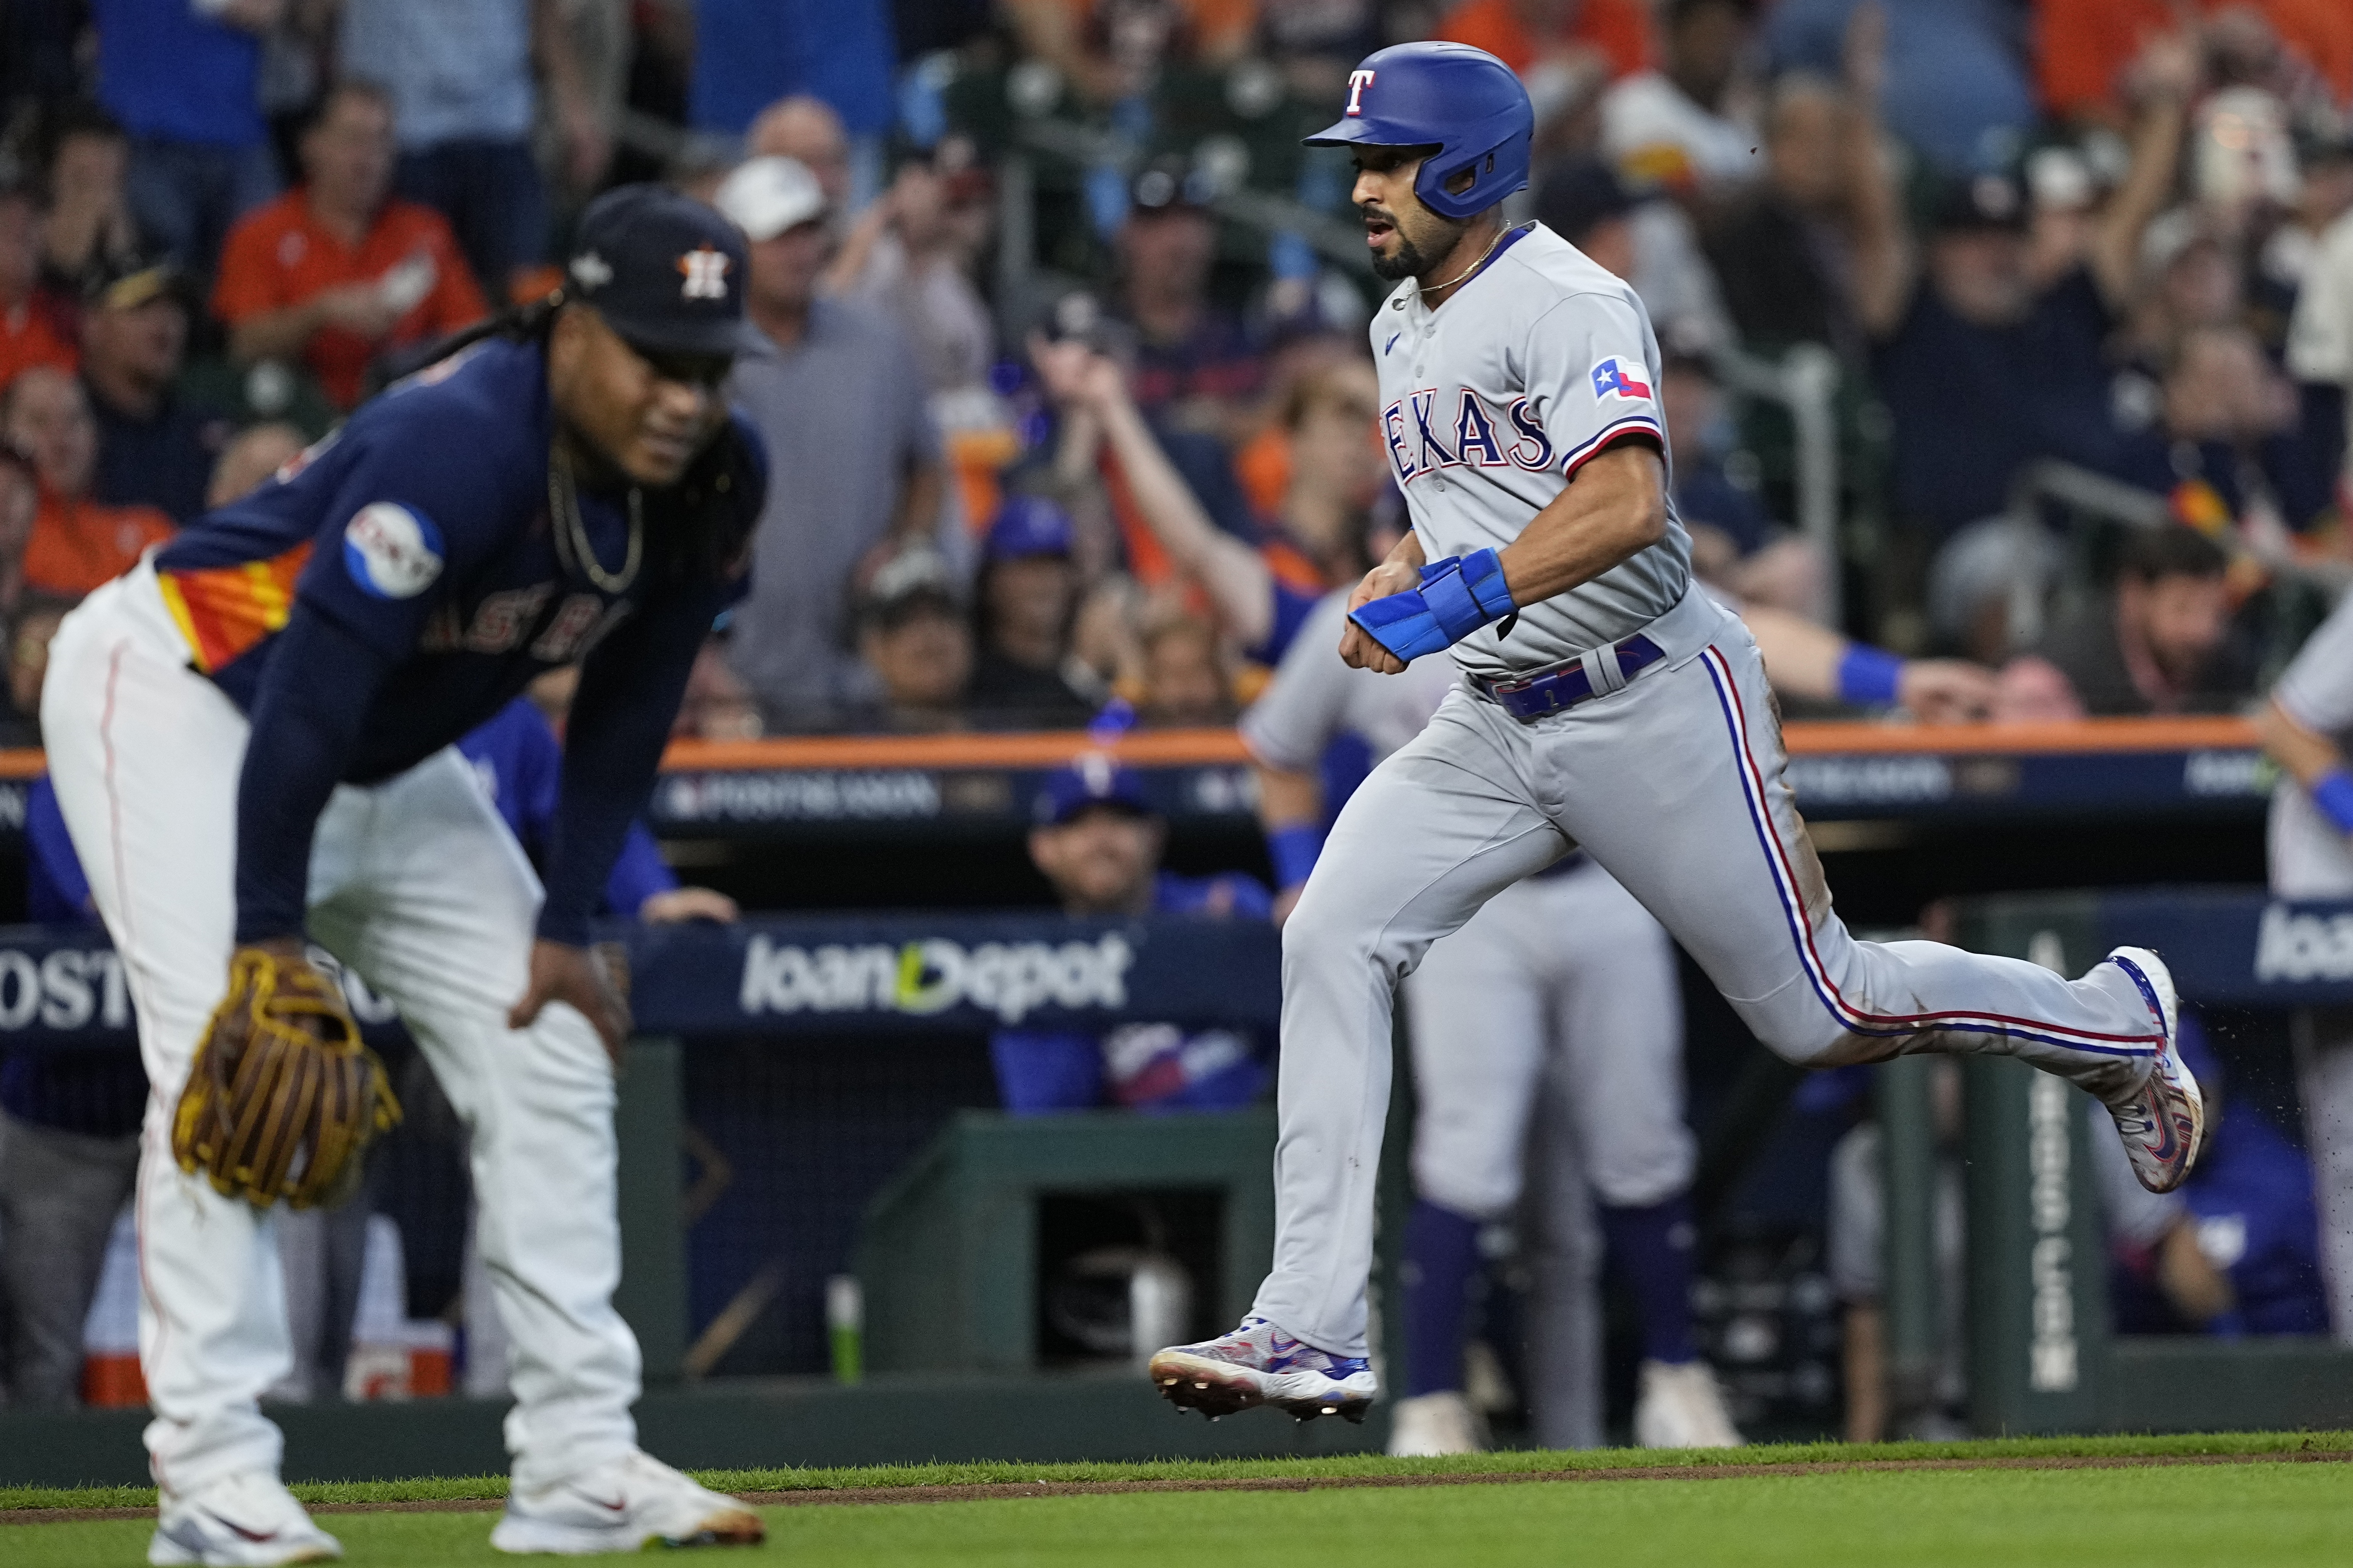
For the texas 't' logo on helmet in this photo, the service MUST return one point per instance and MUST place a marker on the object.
(706, 273)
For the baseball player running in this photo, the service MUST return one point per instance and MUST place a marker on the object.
(1507, 1009)
(251, 738)
(1607, 704)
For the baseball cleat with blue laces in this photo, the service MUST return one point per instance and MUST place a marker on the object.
(1257, 1363)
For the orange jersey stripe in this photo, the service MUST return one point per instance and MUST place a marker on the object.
(224, 611)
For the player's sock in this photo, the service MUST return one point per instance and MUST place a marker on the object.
(1441, 1257)
(1651, 1247)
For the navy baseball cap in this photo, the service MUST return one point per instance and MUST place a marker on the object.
(1090, 780)
(664, 270)
(1029, 525)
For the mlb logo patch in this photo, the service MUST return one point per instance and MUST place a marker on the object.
(1611, 380)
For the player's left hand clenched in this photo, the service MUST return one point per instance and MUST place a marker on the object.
(581, 979)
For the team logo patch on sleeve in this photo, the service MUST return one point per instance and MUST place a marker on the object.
(1611, 380)
(391, 551)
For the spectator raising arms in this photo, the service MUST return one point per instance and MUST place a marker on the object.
(77, 542)
(334, 273)
(1254, 602)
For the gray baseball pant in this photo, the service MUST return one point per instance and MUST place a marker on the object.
(1512, 990)
(1675, 784)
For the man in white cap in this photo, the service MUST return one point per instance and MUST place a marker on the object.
(839, 397)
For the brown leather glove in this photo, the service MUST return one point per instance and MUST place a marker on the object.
(283, 1098)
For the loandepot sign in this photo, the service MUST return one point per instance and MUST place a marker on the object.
(2300, 947)
(1008, 979)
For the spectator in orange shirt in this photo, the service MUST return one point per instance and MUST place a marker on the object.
(27, 337)
(1530, 35)
(2084, 48)
(76, 543)
(334, 273)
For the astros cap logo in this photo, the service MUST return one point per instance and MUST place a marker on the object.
(706, 274)
(1357, 82)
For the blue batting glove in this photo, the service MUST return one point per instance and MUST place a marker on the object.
(1457, 596)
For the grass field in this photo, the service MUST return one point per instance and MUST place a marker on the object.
(2024, 1502)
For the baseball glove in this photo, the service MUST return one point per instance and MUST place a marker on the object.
(282, 1100)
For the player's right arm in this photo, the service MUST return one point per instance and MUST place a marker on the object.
(1615, 509)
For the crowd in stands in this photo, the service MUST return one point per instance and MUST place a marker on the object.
(1115, 453)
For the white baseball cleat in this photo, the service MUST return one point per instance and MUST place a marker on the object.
(248, 1520)
(2162, 1122)
(1428, 1424)
(624, 1505)
(1681, 1406)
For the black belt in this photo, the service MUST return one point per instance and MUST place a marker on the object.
(1539, 696)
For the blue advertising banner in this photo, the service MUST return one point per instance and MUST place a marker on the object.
(63, 987)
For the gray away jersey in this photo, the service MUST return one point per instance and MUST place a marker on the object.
(1315, 696)
(1493, 401)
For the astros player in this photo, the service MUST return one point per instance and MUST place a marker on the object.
(1606, 704)
(251, 736)
(2307, 727)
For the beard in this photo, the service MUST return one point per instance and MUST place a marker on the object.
(1408, 261)
(1415, 260)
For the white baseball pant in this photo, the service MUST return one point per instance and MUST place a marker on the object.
(1675, 784)
(419, 885)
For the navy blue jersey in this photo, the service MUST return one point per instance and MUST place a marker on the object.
(422, 528)
(399, 583)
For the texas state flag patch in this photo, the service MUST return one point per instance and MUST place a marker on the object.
(1611, 380)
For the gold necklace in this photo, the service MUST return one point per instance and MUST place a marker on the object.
(1436, 287)
(572, 535)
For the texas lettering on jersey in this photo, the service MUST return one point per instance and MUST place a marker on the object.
(1421, 442)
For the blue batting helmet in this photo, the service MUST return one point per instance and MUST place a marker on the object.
(1463, 101)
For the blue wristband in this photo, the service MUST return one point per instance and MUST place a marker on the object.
(1293, 848)
(1457, 596)
(2332, 792)
(1869, 676)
